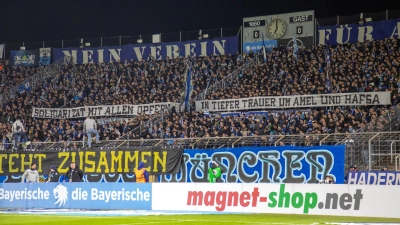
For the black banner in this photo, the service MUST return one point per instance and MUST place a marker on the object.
(157, 160)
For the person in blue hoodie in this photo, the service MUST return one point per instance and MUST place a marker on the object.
(141, 174)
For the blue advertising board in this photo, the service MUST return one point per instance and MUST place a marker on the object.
(257, 46)
(24, 58)
(374, 177)
(217, 46)
(284, 164)
(76, 195)
(351, 33)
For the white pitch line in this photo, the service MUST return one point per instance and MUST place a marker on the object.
(137, 223)
(219, 221)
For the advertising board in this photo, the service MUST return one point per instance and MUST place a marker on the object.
(76, 195)
(315, 199)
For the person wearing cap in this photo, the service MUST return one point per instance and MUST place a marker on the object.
(353, 168)
(31, 175)
(141, 174)
(215, 172)
(53, 175)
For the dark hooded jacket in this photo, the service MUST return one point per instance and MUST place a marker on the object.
(54, 176)
(76, 175)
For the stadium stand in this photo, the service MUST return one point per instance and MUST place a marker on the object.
(360, 67)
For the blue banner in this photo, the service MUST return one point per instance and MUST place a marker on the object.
(351, 33)
(76, 196)
(257, 46)
(45, 56)
(284, 164)
(217, 46)
(24, 58)
(374, 177)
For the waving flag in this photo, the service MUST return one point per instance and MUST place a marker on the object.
(189, 86)
(328, 67)
(24, 88)
(263, 46)
(295, 47)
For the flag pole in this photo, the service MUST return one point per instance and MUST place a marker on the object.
(263, 46)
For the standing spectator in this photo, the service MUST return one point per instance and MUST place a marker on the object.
(31, 175)
(5, 142)
(141, 174)
(74, 174)
(90, 127)
(18, 131)
(53, 175)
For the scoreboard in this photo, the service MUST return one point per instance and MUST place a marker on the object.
(278, 29)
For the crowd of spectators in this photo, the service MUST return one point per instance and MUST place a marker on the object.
(10, 77)
(361, 67)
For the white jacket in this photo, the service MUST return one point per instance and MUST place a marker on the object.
(31, 176)
(16, 124)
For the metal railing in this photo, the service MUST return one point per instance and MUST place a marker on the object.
(144, 126)
(46, 146)
(179, 36)
(377, 16)
(366, 150)
(387, 121)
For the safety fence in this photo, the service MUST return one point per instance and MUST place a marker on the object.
(180, 36)
(357, 18)
(369, 150)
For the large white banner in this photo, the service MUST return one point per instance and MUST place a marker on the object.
(297, 101)
(314, 199)
(104, 110)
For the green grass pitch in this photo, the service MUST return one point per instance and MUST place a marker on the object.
(217, 219)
